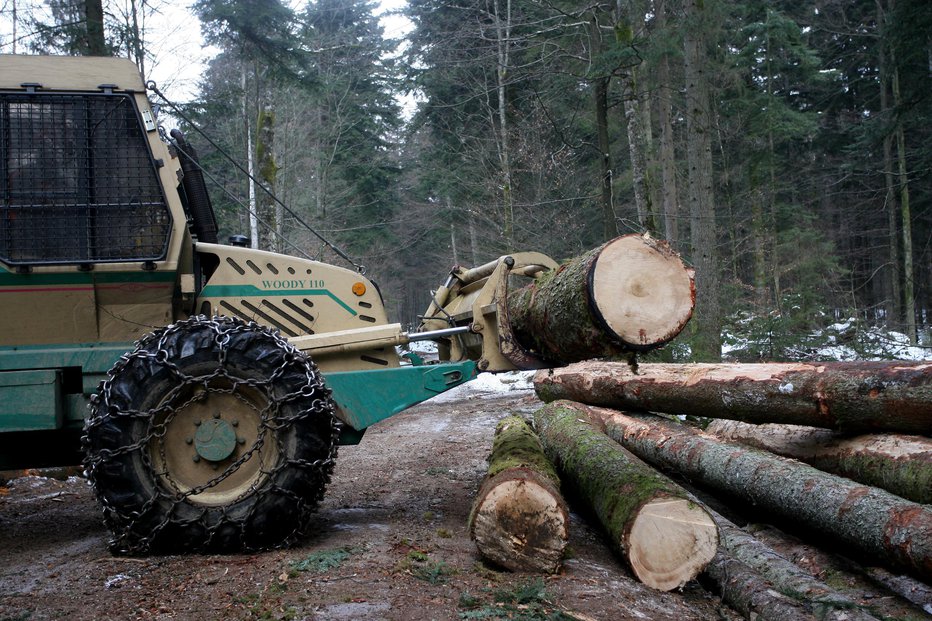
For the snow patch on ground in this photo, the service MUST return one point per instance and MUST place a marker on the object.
(488, 385)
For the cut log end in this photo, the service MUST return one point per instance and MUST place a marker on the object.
(520, 523)
(642, 291)
(671, 541)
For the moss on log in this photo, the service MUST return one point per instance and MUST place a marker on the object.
(854, 397)
(519, 520)
(633, 293)
(787, 578)
(850, 579)
(749, 593)
(874, 522)
(666, 538)
(898, 463)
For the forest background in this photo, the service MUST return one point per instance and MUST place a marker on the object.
(783, 148)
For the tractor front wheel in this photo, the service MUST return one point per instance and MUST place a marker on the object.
(212, 435)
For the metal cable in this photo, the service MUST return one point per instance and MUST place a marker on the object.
(152, 86)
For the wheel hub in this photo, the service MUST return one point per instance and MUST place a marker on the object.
(215, 440)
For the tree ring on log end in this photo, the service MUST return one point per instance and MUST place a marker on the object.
(520, 523)
(670, 542)
(641, 291)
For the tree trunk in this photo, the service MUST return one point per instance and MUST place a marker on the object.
(268, 172)
(900, 464)
(857, 396)
(890, 205)
(94, 14)
(750, 594)
(503, 42)
(671, 215)
(787, 578)
(519, 520)
(666, 538)
(848, 578)
(703, 242)
(250, 167)
(630, 294)
(909, 296)
(600, 103)
(869, 520)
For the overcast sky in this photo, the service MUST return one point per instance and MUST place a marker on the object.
(173, 38)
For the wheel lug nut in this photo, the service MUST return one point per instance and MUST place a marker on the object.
(197, 423)
(216, 414)
(240, 440)
(196, 458)
(189, 440)
(234, 422)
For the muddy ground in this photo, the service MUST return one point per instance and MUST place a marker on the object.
(389, 542)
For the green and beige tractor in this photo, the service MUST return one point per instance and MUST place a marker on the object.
(204, 386)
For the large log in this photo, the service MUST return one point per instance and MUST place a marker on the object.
(749, 593)
(898, 463)
(854, 580)
(519, 520)
(787, 578)
(865, 519)
(858, 396)
(666, 538)
(633, 293)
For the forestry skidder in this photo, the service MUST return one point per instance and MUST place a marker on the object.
(182, 368)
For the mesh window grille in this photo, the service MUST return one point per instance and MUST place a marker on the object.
(77, 182)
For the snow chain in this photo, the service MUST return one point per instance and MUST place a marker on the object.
(154, 348)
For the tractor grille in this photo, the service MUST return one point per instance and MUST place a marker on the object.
(77, 181)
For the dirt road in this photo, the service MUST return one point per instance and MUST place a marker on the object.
(389, 542)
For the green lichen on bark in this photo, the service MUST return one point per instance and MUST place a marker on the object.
(552, 316)
(615, 483)
(906, 477)
(517, 446)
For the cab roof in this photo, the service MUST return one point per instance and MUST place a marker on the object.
(68, 73)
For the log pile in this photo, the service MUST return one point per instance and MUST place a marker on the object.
(868, 494)
(838, 452)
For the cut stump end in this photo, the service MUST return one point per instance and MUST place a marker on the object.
(521, 524)
(670, 542)
(642, 290)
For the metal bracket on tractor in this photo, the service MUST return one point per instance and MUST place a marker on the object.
(468, 318)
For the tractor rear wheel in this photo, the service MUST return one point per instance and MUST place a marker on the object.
(212, 435)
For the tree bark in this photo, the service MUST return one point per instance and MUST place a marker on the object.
(707, 344)
(630, 294)
(750, 594)
(666, 538)
(898, 463)
(860, 396)
(786, 577)
(519, 520)
(94, 14)
(874, 522)
(849, 578)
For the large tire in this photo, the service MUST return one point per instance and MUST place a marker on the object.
(213, 435)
